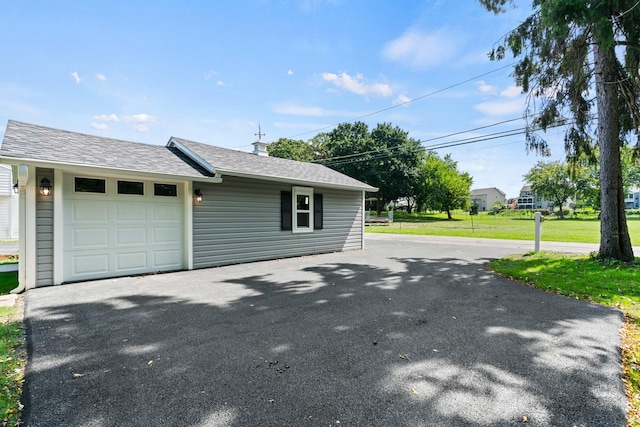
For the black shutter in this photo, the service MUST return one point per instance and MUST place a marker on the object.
(285, 210)
(317, 211)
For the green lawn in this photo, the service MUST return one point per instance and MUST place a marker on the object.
(12, 354)
(587, 278)
(580, 230)
(8, 281)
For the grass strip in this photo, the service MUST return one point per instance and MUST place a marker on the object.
(12, 363)
(8, 281)
(589, 278)
(521, 227)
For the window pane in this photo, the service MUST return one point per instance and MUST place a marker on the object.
(130, 187)
(90, 185)
(165, 190)
(303, 220)
(302, 202)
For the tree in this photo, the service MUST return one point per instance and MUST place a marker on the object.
(385, 157)
(585, 175)
(292, 149)
(552, 182)
(630, 169)
(498, 206)
(566, 48)
(400, 168)
(442, 187)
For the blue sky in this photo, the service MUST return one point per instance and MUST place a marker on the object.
(212, 71)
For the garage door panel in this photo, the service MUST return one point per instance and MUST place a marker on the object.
(167, 258)
(166, 212)
(89, 238)
(130, 212)
(127, 261)
(90, 264)
(131, 236)
(89, 211)
(167, 235)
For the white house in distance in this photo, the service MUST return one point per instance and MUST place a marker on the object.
(8, 205)
(92, 207)
(632, 199)
(528, 199)
(484, 198)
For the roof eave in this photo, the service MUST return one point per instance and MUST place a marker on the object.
(303, 182)
(77, 167)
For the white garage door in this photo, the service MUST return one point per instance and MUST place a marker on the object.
(115, 227)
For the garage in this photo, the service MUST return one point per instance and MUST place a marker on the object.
(92, 207)
(121, 226)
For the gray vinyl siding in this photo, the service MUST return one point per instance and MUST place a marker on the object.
(44, 232)
(239, 221)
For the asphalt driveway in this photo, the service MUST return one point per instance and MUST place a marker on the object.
(408, 332)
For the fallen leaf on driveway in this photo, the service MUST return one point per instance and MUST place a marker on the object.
(525, 419)
(78, 375)
(404, 356)
(150, 362)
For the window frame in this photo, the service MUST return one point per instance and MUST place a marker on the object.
(302, 191)
(164, 195)
(118, 181)
(75, 185)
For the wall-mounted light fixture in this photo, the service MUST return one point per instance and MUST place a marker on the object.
(198, 195)
(45, 187)
(16, 188)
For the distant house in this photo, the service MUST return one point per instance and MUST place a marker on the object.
(632, 200)
(8, 205)
(92, 207)
(528, 199)
(484, 198)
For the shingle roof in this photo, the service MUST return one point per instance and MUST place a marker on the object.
(484, 190)
(23, 141)
(226, 161)
(40, 143)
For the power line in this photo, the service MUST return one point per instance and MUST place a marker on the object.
(428, 140)
(407, 102)
(358, 157)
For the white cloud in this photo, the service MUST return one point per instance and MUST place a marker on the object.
(421, 50)
(221, 83)
(357, 85)
(75, 76)
(484, 87)
(511, 92)
(501, 108)
(101, 77)
(139, 118)
(289, 73)
(139, 122)
(294, 109)
(106, 118)
(401, 99)
(141, 127)
(99, 126)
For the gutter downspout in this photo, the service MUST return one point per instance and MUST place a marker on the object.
(23, 174)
